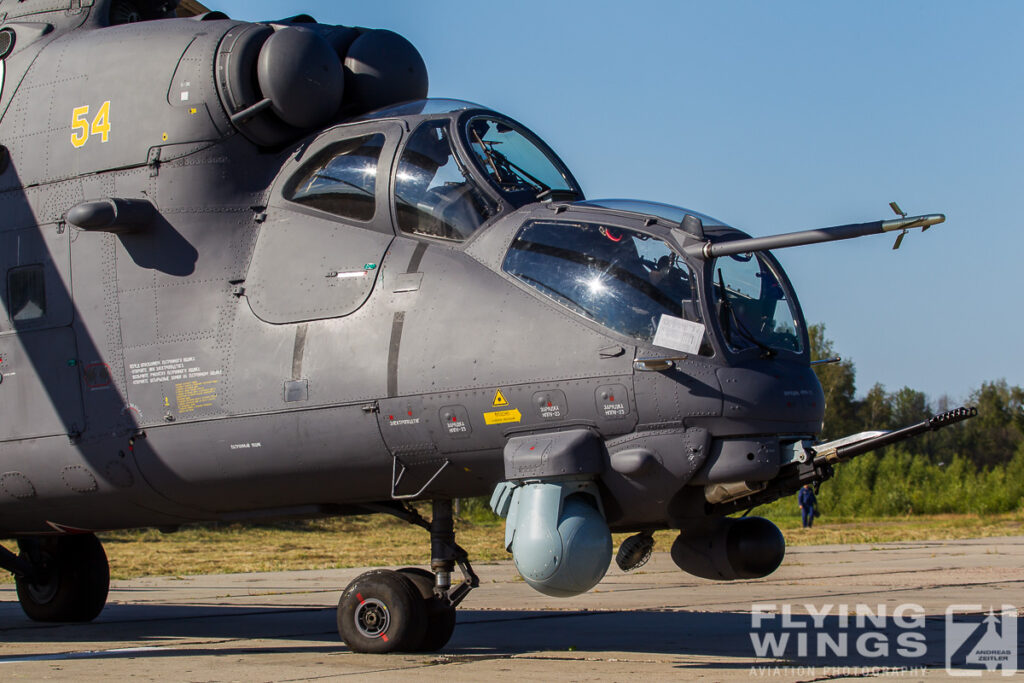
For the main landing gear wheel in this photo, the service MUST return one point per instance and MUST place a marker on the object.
(382, 611)
(69, 581)
(440, 614)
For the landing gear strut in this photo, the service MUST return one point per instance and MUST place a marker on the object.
(60, 578)
(409, 610)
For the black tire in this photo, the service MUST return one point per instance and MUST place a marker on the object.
(440, 615)
(72, 579)
(380, 612)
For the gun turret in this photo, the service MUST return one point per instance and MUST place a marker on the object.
(815, 466)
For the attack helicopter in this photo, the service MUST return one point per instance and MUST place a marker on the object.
(250, 271)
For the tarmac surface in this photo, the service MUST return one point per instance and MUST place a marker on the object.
(655, 623)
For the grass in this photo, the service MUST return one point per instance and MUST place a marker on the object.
(319, 544)
(380, 540)
(842, 531)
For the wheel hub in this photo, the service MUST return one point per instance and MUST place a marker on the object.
(44, 584)
(44, 591)
(372, 618)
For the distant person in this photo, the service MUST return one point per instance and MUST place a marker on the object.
(808, 505)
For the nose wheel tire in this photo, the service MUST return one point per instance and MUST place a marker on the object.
(382, 611)
(70, 581)
(440, 614)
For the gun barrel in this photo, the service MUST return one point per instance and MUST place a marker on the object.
(819, 467)
(710, 249)
(852, 450)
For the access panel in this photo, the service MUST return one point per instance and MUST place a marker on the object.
(40, 385)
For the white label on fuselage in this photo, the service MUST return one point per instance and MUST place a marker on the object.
(679, 334)
(169, 370)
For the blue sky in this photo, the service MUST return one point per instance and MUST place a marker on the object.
(777, 117)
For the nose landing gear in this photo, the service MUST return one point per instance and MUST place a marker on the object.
(409, 610)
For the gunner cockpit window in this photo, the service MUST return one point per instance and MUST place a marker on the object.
(434, 196)
(342, 180)
(630, 282)
(754, 309)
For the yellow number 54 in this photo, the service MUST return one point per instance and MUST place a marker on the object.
(81, 128)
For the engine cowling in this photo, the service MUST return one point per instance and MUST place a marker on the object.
(278, 81)
(728, 549)
(557, 534)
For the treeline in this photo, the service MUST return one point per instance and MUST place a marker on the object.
(898, 481)
(991, 438)
(976, 466)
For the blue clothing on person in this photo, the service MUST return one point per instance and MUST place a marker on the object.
(808, 504)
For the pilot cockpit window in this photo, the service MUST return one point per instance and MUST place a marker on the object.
(26, 293)
(515, 163)
(753, 308)
(342, 179)
(630, 282)
(434, 196)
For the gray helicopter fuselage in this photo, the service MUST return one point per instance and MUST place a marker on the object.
(251, 272)
(241, 354)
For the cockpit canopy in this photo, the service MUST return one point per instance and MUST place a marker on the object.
(455, 167)
(643, 287)
(450, 182)
(462, 165)
(626, 280)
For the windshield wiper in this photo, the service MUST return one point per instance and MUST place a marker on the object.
(557, 195)
(727, 314)
(312, 191)
(496, 159)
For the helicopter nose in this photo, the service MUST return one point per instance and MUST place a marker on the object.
(772, 391)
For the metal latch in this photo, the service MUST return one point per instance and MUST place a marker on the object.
(656, 364)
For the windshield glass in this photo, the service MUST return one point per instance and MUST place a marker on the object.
(628, 281)
(753, 308)
(514, 162)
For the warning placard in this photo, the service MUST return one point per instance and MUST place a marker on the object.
(194, 395)
(500, 417)
(499, 400)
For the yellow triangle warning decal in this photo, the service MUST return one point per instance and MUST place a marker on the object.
(499, 399)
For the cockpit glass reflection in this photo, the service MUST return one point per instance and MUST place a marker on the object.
(753, 308)
(342, 180)
(624, 280)
(434, 196)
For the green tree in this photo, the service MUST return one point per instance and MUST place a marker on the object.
(875, 410)
(909, 406)
(838, 383)
(992, 437)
